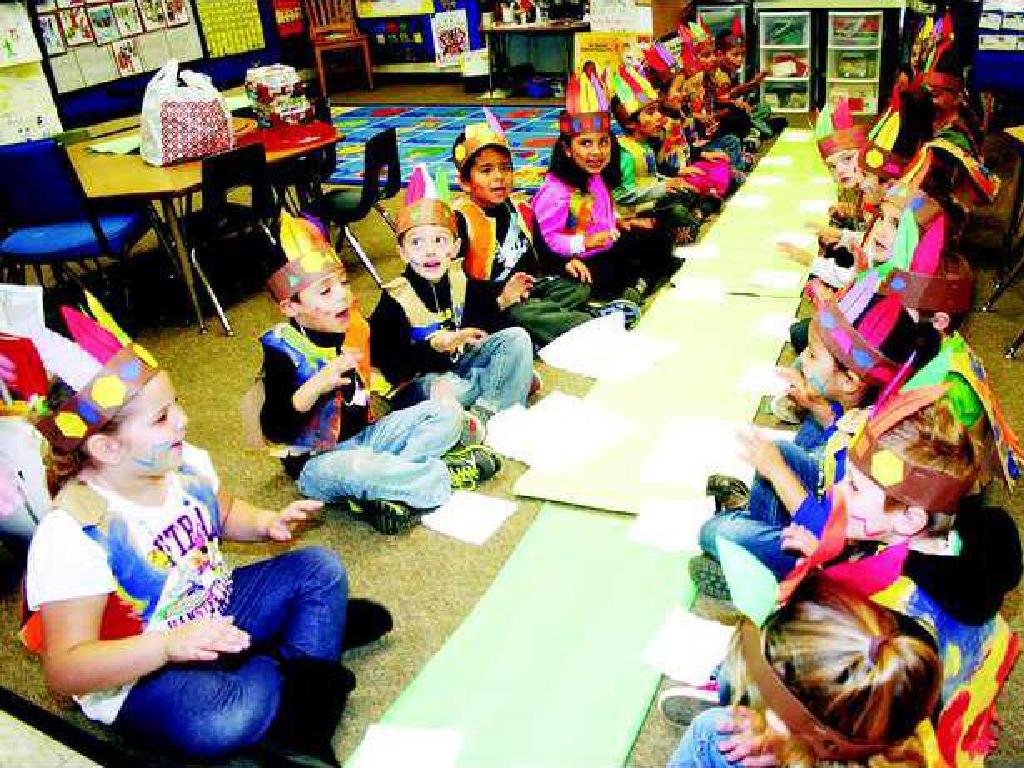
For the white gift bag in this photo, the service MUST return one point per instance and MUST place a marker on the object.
(183, 122)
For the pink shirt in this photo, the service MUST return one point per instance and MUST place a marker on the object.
(551, 206)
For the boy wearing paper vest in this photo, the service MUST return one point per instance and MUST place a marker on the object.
(857, 345)
(496, 237)
(940, 556)
(316, 369)
(440, 334)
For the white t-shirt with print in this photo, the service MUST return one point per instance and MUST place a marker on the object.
(177, 540)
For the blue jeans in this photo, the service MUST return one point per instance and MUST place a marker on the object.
(395, 458)
(699, 746)
(292, 606)
(732, 146)
(758, 529)
(493, 376)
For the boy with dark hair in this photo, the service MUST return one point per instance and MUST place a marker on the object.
(316, 378)
(496, 239)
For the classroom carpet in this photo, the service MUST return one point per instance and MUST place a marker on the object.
(426, 135)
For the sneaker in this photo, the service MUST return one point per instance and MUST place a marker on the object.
(536, 384)
(630, 309)
(474, 430)
(729, 492)
(785, 410)
(679, 706)
(390, 517)
(468, 467)
(709, 578)
(366, 621)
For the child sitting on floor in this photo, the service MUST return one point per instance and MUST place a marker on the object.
(857, 345)
(580, 235)
(945, 560)
(645, 189)
(496, 239)
(316, 377)
(441, 335)
(831, 679)
(134, 610)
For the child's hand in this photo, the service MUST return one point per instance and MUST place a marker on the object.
(689, 170)
(453, 342)
(598, 240)
(332, 375)
(795, 253)
(796, 538)
(762, 454)
(277, 526)
(638, 223)
(205, 639)
(750, 743)
(516, 289)
(828, 235)
(579, 271)
(817, 291)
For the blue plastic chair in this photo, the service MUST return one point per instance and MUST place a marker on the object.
(47, 219)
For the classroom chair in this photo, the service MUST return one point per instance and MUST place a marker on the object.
(49, 222)
(239, 169)
(348, 205)
(332, 27)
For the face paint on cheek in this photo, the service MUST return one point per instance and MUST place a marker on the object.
(817, 383)
(159, 456)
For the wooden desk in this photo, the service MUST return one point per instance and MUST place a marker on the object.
(1013, 246)
(496, 31)
(126, 177)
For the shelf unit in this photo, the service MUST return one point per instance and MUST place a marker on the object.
(784, 48)
(854, 59)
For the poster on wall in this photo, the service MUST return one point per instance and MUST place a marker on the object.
(451, 36)
(17, 41)
(98, 41)
(104, 29)
(620, 16)
(27, 110)
(609, 49)
(379, 9)
(231, 26)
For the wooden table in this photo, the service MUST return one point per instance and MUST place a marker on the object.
(1013, 246)
(123, 177)
(496, 31)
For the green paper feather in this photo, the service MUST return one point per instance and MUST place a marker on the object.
(964, 401)
(823, 125)
(933, 373)
(908, 235)
(444, 191)
(754, 589)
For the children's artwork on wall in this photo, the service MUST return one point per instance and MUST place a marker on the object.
(104, 29)
(231, 26)
(17, 40)
(42, 6)
(27, 110)
(70, 3)
(288, 16)
(75, 23)
(451, 36)
(153, 16)
(96, 64)
(67, 75)
(126, 57)
(129, 22)
(177, 12)
(52, 37)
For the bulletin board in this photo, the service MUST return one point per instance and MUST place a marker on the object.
(27, 110)
(230, 26)
(94, 42)
(999, 59)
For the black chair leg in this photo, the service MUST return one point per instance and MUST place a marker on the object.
(209, 292)
(361, 254)
(1011, 351)
(1003, 283)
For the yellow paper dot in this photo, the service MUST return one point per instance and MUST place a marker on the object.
(874, 158)
(951, 661)
(71, 424)
(887, 468)
(108, 392)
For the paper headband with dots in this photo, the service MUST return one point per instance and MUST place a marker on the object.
(311, 258)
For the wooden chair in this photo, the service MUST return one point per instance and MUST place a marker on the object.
(332, 27)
